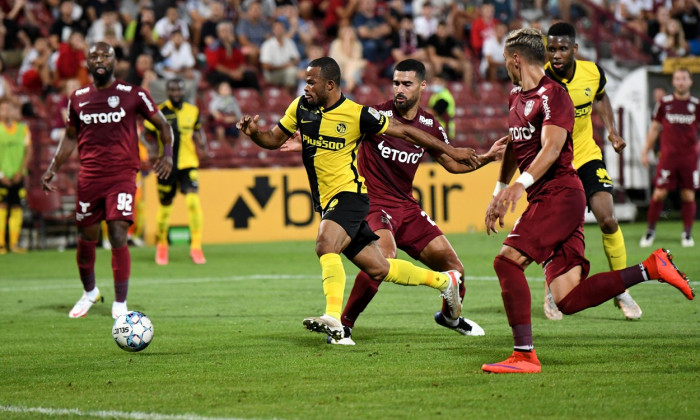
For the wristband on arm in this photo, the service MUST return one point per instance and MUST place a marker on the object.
(526, 179)
(499, 186)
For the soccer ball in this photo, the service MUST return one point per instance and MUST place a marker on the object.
(133, 331)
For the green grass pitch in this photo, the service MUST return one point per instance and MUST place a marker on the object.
(229, 343)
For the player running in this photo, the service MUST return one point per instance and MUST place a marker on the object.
(101, 121)
(550, 231)
(331, 126)
(585, 83)
(676, 119)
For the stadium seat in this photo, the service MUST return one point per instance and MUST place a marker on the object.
(249, 100)
(369, 95)
(48, 213)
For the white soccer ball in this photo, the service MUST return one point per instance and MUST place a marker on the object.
(133, 331)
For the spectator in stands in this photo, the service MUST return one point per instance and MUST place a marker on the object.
(142, 37)
(426, 23)
(252, 31)
(671, 40)
(68, 21)
(631, 12)
(482, 28)
(659, 21)
(109, 29)
(302, 31)
(503, 10)
(338, 12)
(35, 72)
(142, 73)
(11, 14)
(6, 87)
(58, 122)
(129, 10)
(442, 105)
(225, 112)
(178, 59)
(347, 52)
(493, 64)
(688, 13)
(279, 57)
(71, 61)
(406, 44)
(95, 8)
(373, 31)
(198, 11)
(170, 23)
(208, 33)
(226, 62)
(313, 52)
(446, 57)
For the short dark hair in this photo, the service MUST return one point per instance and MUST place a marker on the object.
(175, 80)
(330, 70)
(412, 65)
(562, 29)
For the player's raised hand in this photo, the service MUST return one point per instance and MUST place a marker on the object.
(617, 142)
(466, 156)
(497, 150)
(293, 144)
(248, 125)
(163, 166)
(46, 180)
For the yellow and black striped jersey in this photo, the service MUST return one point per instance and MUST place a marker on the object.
(184, 122)
(587, 82)
(330, 141)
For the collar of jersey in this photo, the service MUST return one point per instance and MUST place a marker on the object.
(335, 105)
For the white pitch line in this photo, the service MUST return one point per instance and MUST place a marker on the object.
(72, 412)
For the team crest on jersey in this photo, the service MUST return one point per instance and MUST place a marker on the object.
(528, 107)
(587, 92)
(113, 101)
(691, 107)
(341, 128)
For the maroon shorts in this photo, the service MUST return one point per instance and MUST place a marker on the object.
(99, 200)
(677, 173)
(411, 227)
(550, 231)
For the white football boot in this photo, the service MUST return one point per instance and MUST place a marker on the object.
(81, 308)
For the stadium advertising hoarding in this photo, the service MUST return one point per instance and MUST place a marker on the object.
(274, 204)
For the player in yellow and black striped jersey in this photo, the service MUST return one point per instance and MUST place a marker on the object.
(187, 130)
(585, 81)
(331, 128)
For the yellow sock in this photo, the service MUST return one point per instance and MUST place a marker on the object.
(3, 225)
(614, 246)
(407, 274)
(162, 223)
(139, 216)
(105, 230)
(333, 274)
(15, 225)
(195, 216)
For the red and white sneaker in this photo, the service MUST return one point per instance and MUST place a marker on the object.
(81, 308)
(661, 261)
(197, 256)
(518, 362)
(161, 254)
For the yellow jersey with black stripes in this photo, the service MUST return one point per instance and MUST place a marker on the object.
(330, 140)
(587, 82)
(184, 121)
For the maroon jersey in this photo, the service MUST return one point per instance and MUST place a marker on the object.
(679, 126)
(389, 164)
(106, 123)
(530, 111)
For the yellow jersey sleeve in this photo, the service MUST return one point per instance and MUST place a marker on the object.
(288, 123)
(372, 121)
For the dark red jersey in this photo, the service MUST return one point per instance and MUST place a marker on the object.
(389, 164)
(530, 111)
(679, 127)
(106, 122)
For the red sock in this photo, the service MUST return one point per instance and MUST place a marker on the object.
(655, 209)
(688, 209)
(361, 295)
(516, 298)
(121, 268)
(597, 289)
(86, 263)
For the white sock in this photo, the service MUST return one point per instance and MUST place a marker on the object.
(92, 294)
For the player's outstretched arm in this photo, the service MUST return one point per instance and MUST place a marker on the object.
(604, 109)
(494, 154)
(270, 139)
(293, 144)
(652, 136)
(164, 163)
(467, 156)
(508, 167)
(65, 148)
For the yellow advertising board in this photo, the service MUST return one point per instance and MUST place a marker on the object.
(274, 204)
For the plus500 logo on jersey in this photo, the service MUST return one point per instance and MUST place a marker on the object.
(521, 133)
(103, 117)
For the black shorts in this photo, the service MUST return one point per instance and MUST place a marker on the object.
(187, 179)
(595, 178)
(349, 211)
(13, 195)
